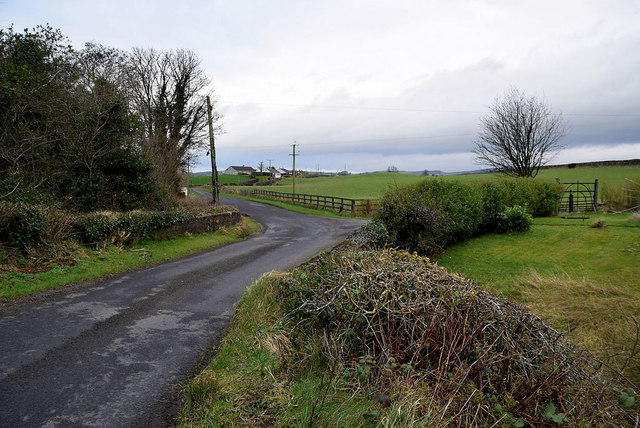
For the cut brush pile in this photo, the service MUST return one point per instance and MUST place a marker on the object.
(392, 321)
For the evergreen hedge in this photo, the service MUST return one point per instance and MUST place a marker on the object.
(429, 216)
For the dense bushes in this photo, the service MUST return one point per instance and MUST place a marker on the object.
(428, 216)
(24, 227)
(514, 219)
(21, 225)
(99, 228)
(432, 214)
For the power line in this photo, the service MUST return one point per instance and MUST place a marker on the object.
(333, 107)
(416, 110)
(364, 140)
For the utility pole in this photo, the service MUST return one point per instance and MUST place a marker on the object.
(294, 154)
(270, 160)
(212, 150)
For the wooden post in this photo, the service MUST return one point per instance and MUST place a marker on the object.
(595, 196)
(212, 150)
(293, 153)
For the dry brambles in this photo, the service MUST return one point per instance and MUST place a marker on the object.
(389, 315)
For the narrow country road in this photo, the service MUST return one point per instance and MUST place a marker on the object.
(110, 352)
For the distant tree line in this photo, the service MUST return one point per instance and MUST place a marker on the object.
(97, 128)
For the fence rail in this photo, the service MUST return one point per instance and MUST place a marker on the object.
(579, 197)
(334, 203)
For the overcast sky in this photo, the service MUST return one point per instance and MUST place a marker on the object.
(364, 85)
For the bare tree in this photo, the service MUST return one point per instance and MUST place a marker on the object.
(392, 169)
(519, 135)
(169, 92)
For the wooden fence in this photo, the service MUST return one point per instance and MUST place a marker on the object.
(579, 197)
(334, 203)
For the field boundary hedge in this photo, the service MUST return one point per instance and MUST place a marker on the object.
(433, 214)
(24, 227)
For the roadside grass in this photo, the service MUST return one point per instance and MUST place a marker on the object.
(246, 384)
(91, 264)
(261, 377)
(584, 280)
(374, 185)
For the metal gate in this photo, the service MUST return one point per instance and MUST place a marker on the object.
(579, 197)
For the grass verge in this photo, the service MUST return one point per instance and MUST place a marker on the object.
(247, 383)
(86, 264)
(583, 280)
(303, 351)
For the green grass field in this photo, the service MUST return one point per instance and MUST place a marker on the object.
(583, 280)
(222, 178)
(363, 186)
(374, 185)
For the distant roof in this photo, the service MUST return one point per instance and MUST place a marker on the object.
(243, 168)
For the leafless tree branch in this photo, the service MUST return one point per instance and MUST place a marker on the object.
(519, 135)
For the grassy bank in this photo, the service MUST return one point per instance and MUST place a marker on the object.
(83, 263)
(303, 351)
(246, 383)
(583, 280)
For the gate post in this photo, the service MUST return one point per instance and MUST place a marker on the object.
(595, 196)
(570, 201)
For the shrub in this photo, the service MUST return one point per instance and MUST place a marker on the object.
(21, 225)
(428, 216)
(99, 228)
(514, 219)
(539, 198)
(371, 235)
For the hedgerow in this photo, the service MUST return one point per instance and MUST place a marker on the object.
(429, 216)
(21, 225)
(24, 227)
(101, 228)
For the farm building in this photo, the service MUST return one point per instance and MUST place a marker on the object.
(275, 173)
(236, 170)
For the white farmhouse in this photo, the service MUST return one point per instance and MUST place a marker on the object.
(235, 170)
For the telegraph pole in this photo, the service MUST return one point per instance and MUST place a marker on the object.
(212, 150)
(294, 154)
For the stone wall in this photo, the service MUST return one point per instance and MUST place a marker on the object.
(201, 224)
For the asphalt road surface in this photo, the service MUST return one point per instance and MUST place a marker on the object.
(110, 352)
